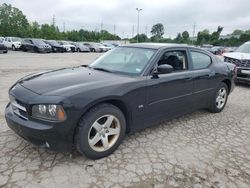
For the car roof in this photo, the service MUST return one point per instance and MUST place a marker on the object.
(158, 45)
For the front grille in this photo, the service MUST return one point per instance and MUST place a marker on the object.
(237, 62)
(19, 108)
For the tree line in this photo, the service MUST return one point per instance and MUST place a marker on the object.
(14, 23)
(236, 38)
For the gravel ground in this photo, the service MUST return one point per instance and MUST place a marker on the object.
(197, 150)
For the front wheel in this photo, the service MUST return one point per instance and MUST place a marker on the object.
(13, 48)
(220, 99)
(100, 131)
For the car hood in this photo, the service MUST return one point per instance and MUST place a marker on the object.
(67, 81)
(18, 43)
(238, 55)
(67, 45)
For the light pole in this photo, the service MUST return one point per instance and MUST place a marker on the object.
(138, 21)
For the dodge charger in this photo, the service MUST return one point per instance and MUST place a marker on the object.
(90, 108)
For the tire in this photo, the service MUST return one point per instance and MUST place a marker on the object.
(24, 49)
(13, 48)
(35, 49)
(78, 50)
(86, 131)
(93, 50)
(219, 100)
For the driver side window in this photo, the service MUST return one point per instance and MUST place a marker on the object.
(177, 59)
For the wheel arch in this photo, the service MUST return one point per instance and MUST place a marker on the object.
(114, 101)
(228, 83)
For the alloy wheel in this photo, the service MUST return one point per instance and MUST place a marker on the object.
(221, 98)
(104, 133)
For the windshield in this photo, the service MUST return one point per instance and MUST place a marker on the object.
(65, 43)
(52, 42)
(38, 42)
(125, 60)
(244, 48)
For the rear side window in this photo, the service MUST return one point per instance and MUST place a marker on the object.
(200, 60)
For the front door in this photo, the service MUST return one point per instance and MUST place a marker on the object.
(170, 95)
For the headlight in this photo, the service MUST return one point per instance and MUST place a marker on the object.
(49, 112)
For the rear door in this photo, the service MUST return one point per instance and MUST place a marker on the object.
(205, 79)
(170, 95)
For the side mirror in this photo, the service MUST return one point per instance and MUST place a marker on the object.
(164, 69)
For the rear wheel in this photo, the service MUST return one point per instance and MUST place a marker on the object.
(100, 131)
(220, 99)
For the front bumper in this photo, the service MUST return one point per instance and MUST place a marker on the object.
(45, 50)
(39, 134)
(4, 50)
(243, 74)
(17, 46)
(53, 135)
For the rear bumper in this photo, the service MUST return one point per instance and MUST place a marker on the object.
(47, 136)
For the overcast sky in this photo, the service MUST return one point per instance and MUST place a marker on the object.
(175, 15)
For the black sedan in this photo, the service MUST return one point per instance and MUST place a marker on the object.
(3, 48)
(129, 88)
(55, 46)
(35, 45)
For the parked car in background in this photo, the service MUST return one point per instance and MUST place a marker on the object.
(92, 46)
(55, 46)
(111, 46)
(241, 58)
(217, 50)
(1, 39)
(3, 48)
(229, 49)
(13, 42)
(102, 47)
(80, 47)
(35, 45)
(91, 108)
(68, 47)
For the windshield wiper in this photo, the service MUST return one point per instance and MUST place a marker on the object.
(101, 69)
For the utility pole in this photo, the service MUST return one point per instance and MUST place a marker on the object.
(114, 29)
(101, 26)
(133, 30)
(54, 20)
(64, 27)
(193, 33)
(138, 22)
(146, 30)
